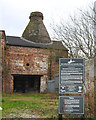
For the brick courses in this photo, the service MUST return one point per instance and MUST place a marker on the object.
(27, 60)
(38, 59)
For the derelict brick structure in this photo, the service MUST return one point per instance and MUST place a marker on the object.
(31, 60)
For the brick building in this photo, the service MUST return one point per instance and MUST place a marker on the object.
(28, 62)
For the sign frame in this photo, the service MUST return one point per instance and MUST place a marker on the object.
(83, 108)
(73, 73)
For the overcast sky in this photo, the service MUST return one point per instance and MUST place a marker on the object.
(14, 14)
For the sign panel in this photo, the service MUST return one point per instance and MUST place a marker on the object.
(71, 76)
(71, 104)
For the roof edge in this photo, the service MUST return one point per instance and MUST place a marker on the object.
(37, 43)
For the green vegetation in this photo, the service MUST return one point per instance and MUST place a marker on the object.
(30, 105)
(36, 105)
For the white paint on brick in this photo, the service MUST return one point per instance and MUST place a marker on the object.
(44, 65)
(43, 86)
(18, 62)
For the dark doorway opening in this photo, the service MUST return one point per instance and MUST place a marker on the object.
(26, 83)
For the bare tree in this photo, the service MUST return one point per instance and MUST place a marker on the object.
(77, 34)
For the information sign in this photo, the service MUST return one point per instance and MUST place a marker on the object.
(71, 105)
(71, 81)
(71, 76)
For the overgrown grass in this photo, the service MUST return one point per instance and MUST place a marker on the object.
(35, 95)
(37, 105)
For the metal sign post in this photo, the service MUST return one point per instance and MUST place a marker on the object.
(71, 81)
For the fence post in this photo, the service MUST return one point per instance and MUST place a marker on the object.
(60, 117)
(82, 117)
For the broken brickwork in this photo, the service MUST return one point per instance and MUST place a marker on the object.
(30, 60)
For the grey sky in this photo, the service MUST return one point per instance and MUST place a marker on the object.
(14, 14)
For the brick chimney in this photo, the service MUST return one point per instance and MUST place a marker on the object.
(2, 34)
(36, 30)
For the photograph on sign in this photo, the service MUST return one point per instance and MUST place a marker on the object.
(71, 88)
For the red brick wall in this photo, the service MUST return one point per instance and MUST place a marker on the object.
(2, 59)
(32, 61)
(24, 60)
